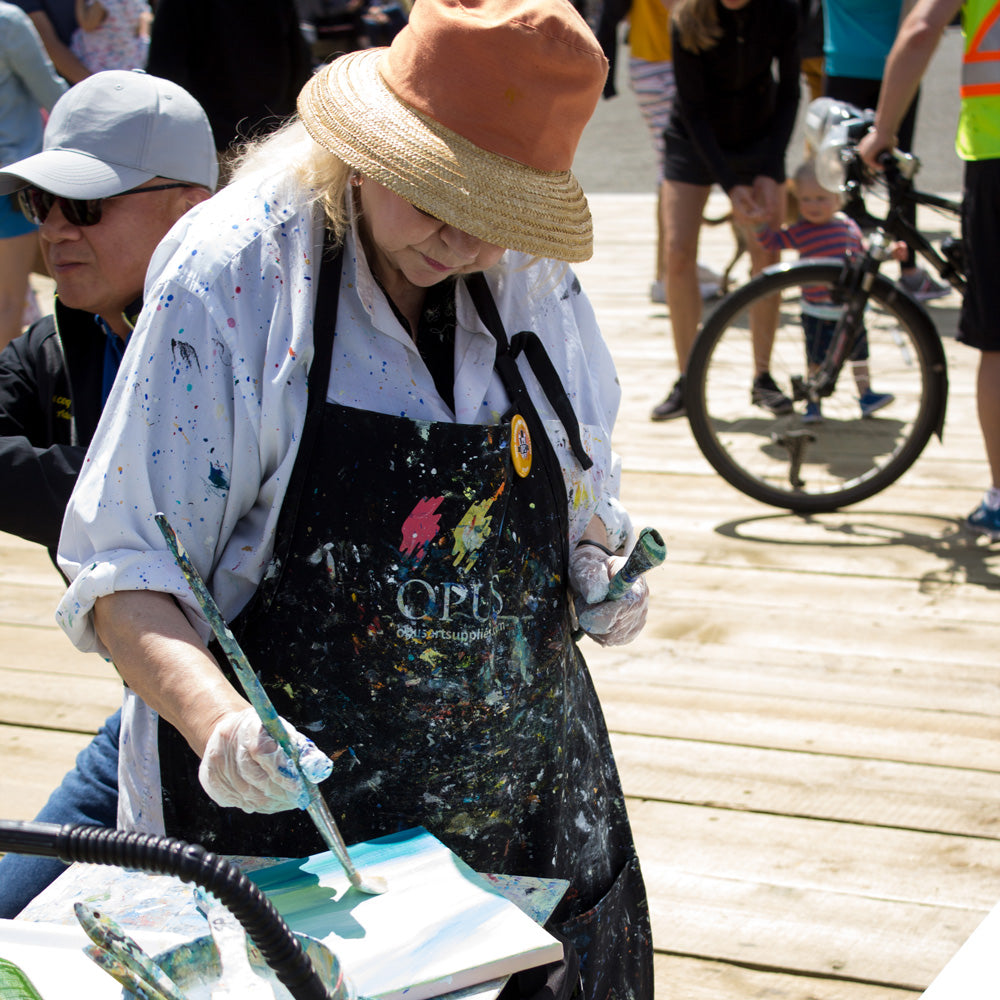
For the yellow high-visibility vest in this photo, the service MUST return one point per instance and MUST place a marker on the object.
(978, 135)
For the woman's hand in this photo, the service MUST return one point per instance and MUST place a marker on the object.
(610, 623)
(244, 768)
(747, 210)
(757, 204)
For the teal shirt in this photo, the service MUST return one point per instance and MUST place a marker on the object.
(858, 36)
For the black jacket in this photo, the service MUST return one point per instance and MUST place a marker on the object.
(244, 61)
(728, 98)
(50, 402)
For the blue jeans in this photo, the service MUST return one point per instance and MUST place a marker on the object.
(88, 795)
(819, 337)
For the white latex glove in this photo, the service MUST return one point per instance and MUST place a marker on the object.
(610, 623)
(244, 768)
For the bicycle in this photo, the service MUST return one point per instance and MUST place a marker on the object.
(785, 460)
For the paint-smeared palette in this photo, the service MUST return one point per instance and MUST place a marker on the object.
(440, 927)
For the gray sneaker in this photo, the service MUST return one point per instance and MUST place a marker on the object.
(673, 406)
(766, 394)
(922, 286)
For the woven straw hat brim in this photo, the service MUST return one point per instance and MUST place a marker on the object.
(347, 108)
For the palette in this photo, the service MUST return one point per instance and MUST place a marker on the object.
(440, 927)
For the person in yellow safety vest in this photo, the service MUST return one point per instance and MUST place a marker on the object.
(978, 144)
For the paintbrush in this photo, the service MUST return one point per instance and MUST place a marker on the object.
(105, 932)
(317, 808)
(135, 984)
(649, 551)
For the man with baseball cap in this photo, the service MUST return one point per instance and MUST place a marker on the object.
(125, 155)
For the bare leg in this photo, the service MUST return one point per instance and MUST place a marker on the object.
(764, 315)
(988, 406)
(683, 206)
(661, 238)
(17, 253)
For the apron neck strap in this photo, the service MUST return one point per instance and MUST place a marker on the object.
(531, 346)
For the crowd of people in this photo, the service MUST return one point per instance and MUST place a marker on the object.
(322, 253)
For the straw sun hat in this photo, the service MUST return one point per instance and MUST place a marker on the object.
(473, 115)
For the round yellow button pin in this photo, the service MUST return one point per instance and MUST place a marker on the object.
(520, 445)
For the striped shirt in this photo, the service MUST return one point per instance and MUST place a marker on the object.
(814, 239)
(835, 238)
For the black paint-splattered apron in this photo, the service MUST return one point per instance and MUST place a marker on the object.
(415, 624)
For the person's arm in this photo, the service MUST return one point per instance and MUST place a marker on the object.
(904, 68)
(772, 239)
(161, 658)
(90, 15)
(787, 96)
(37, 481)
(64, 60)
(31, 64)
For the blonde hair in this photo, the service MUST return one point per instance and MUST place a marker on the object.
(322, 177)
(806, 174)
(697, 24)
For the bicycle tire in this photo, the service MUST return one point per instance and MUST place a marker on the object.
(845, 458)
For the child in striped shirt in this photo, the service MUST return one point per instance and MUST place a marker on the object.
(822, 230)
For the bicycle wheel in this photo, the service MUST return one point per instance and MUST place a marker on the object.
(792, 462)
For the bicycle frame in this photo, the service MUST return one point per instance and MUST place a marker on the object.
(860, 269)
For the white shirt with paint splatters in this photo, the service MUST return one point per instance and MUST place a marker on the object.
(205, 416)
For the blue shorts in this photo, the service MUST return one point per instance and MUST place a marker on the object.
(12, 220)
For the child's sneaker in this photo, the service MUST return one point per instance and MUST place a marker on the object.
(984, 521)
(872, 401)
(813, 414)
(922, 286)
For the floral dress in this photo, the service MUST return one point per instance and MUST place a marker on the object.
(116, 44)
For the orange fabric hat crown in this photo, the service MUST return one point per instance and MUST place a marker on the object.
(473, 114)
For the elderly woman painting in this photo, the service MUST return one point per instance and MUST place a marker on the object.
(379, 419)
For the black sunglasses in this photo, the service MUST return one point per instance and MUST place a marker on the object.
(36, 204)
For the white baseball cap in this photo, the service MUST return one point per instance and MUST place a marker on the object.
(115, 130)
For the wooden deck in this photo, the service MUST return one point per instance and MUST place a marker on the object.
(808, 730)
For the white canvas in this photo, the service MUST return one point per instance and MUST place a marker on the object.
(440, 927)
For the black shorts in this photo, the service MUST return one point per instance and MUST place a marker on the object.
(979, 323)
(683, 162)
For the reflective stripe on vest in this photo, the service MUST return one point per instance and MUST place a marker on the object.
(981, 62)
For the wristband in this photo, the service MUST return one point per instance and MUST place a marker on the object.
(597, 545)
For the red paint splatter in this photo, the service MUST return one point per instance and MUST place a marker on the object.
(421, 526)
